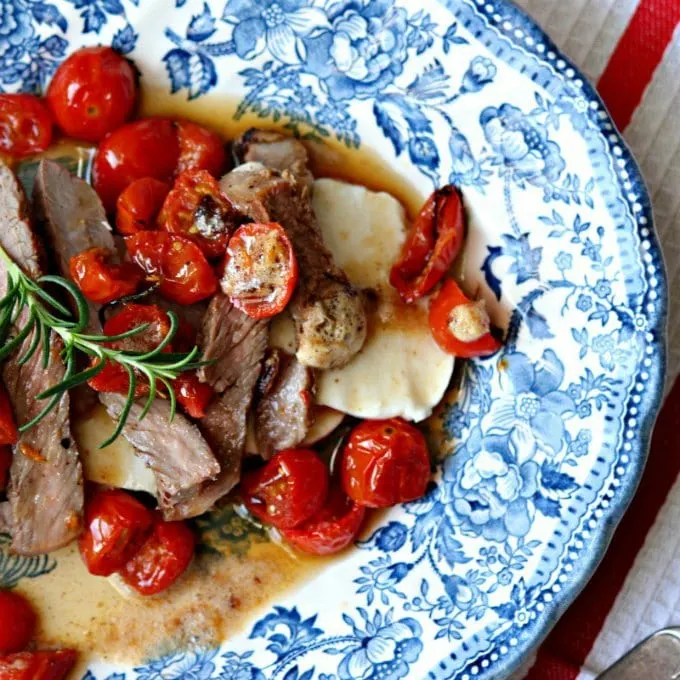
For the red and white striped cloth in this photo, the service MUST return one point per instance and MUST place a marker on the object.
(631, 50)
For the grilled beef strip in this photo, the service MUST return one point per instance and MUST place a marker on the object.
(177, 453)
(45, 492)
(329, 313)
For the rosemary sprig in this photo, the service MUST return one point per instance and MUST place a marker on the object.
(28, 307)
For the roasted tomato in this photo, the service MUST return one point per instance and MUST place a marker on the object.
(100, 281)
(461, 326)
(288, 490)
(433, 243)
(92, 93)
(44, 665)
(162, 559)
(8, 427)
(25, 125)
(199, 149)
(197, 209)
(138, 206)
(179, 265)
(5, 465)
(17, 622)
(331, 529)
(260, 270)
(116, 525)
(114, 378)
(385, 462)
(143, 148)
(192, 395)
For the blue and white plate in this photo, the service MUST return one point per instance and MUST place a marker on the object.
(543, 446)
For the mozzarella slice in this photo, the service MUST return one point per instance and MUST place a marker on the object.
(401, 371)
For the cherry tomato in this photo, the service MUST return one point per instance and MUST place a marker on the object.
(385, 462)
(100, 281)
(199, 149)
(17, 622)
(178, 263)
(197, 209)
(143, 148)
(192, 395)
(8, 427)
(459, 325)
(331, 529)
(138, 206)
(92, 93)
(45, 665)
(5, 465)
(260, 270)
(25, 125)
(162, 559)
(288, 490)
(116, 525)
(433, 243)
(114, 378)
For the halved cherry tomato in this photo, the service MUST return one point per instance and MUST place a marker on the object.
(116, 525)
(385, 462)
(114, 378)
(192, 395)
(143, 148)
(199, 149)
(92, 93)
(459, 325)
(25, 125)
(433, 243)
(178, 263)
(260, 270)
(8, 427)
(162, 559)
(331, 529)
(44, 665)
(138, 206)
(197, 209)
(17, 622)
(288, 490)
(5, 465)
(101, 281)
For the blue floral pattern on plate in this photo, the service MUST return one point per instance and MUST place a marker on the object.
(541, 448)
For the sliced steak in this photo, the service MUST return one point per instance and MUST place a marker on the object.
(283, 415)
(177, 453)
(275, 150)
(329, 314)
(45, 491)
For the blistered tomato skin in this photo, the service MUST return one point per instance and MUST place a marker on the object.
(17, 622)
(25, 125)
(41, 665)
(138, 206)
(199, 149)
(92, 93)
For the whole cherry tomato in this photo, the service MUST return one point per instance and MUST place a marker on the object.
(92, 93)
(260, 270)
(385, 462)
(197, 209)
(25, 125)
(331, 529)
(8, 427)
(143, 148)
(5, 465)
(432, 245)
(17, 622)
(116, 525)
(138, 206)
(199, 149)
(162, 559)
(45, 665)
(192, 395)
(459, 325)
(288, 490)
(100, 281)
(179, 265)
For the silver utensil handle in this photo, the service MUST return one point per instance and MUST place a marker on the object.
(656, 658)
